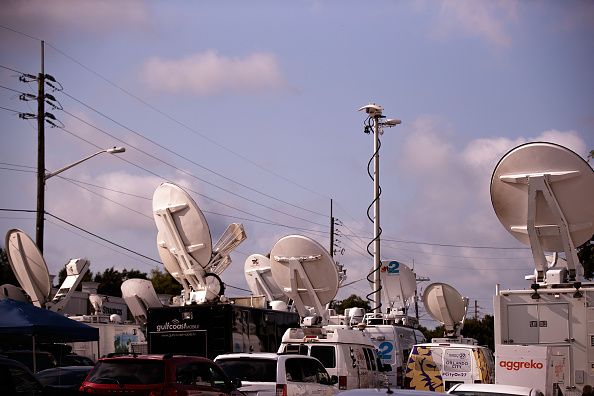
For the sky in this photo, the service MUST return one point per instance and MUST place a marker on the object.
(252, 108)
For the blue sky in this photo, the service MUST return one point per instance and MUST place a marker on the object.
(252, 107)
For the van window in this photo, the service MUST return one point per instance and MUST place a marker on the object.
(299, 349)
(326, 354)
(457, 360)
(369, 358)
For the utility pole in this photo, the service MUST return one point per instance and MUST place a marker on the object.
(475, 310)
(40, 153)
(331, 230)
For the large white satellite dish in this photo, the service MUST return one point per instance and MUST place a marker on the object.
(140, 295)
(398, 284)
(543, 194)
(305, 272)
(30, 269)
(28, 266)
(446, 305)
(258, 276)
(185, 245)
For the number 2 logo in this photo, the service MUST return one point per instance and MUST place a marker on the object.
(385, 350)
(393, 267)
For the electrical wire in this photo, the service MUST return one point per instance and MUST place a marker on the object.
(188, 173)
(154, 108)
(189, 160)
(101, 238)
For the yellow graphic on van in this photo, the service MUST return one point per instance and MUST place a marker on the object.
(485, 372)
(421, 371)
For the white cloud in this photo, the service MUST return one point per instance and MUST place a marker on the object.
(484, 19)
(209, 73)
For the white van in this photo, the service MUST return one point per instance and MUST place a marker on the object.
(345, 352)
(437, 366)
(394, 344)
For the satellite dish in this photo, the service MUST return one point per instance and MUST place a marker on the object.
(446, 305)
(305, 272)
(28, 266)
(140, 295)
(542, 194)
(258, 276)
(14, 293)
(185, 245)
(398, 282)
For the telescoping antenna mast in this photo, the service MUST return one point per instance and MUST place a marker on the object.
(376, 121)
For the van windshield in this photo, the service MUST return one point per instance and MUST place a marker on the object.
(252, 369)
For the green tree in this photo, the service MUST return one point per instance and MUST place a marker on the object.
(586, 256)
(164, 283)
(353, 301)
(481, 330)
(6, 274)
(110, 280)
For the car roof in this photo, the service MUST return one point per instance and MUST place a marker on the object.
(258, 355)
(492, 388)
(386, 391)
(64, 368)
(7, 361)
(151, 357)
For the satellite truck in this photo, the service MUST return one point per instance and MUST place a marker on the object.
(201, 321)
(543, 194)
(31, 272)
(438, 365)
(394, 332)
(308, 276)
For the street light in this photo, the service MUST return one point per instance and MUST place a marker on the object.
(41, 191)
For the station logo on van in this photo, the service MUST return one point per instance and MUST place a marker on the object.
(516, 365)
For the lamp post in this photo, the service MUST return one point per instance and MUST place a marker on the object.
(374, 113)
(41, 191)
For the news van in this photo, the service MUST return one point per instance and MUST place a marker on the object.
(345, 352)
(394, 341)
(437, 366)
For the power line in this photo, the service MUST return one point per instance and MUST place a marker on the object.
(186, 173)
(189, 160)
(154, 108)
(100, 244)
(102, 238)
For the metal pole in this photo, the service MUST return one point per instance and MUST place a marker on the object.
(377, 296)
(331, 230)
(40, 154)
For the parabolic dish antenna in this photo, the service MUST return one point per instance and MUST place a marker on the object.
(186, 218)
(445, 305)
(140, 295)
(28, 266)
(570, 181)
(258, 276)
(305, 272)
(398, 283)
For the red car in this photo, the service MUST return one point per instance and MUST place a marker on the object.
(158, 375)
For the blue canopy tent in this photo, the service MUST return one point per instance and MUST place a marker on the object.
(23, 322)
